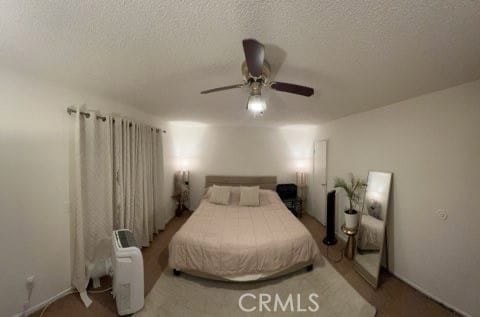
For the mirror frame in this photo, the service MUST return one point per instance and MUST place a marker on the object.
(373, 280)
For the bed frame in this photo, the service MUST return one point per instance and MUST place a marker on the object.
(265, 182)
(308, 266)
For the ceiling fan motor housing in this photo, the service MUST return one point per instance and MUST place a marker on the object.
(256, 88)
(263, 78)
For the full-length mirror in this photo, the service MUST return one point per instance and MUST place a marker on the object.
(371, 230)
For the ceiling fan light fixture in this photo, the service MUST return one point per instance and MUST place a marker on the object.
(256, 105)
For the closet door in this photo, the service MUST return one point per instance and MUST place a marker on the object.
(319, 182)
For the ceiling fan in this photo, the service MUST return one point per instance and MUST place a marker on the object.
(256, 75)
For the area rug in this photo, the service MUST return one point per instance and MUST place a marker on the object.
(289, 295)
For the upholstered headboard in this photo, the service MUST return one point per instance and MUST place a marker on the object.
(265, 182)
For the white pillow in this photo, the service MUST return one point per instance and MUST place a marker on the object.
(249, 196)
(219, 195)
(208, 192)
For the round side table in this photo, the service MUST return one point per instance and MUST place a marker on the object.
(351, 242)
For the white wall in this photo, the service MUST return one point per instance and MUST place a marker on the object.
(34, 198)
(432, 145)
(237, 150)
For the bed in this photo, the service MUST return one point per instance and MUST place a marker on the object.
(237, 243)
(370, 233)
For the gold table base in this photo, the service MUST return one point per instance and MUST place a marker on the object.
(351, 242)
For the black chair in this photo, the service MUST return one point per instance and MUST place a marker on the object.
(288, 194)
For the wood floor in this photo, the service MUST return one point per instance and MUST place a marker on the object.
(392, 298)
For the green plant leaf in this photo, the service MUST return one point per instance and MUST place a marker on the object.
(352, 190)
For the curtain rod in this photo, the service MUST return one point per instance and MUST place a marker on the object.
(86, 114)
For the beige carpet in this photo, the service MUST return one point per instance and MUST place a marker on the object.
(186, 295)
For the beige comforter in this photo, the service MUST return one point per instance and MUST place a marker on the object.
(370, 233)
(242, 243)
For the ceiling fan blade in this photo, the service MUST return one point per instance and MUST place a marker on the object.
(254, 56)
(292, 88)
(222, 88)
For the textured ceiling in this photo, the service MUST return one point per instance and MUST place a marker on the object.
(158, 55)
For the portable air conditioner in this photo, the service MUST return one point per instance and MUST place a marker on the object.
(127, 273)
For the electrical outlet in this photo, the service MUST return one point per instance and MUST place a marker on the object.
(442, 214)
(30, 282)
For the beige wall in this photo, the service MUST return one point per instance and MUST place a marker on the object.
(34, 165)
(432, 145)
(232, 150)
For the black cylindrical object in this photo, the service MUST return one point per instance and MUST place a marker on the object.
(330, 238)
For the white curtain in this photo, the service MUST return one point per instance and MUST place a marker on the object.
(138, 173)
(159, 204)
(92, 199)
(118, 183)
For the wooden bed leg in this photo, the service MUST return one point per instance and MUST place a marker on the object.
(310, 268)
(176, 272)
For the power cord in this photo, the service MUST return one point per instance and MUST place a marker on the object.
(73, 292)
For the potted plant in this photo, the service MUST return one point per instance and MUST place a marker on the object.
(353, 190)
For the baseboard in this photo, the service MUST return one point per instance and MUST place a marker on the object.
(167, 222)
(44, 303)
(430, 295)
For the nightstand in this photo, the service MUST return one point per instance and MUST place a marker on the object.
(351, 242)
(289, 195)
(295, 205)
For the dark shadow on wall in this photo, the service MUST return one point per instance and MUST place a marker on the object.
(389, 255)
